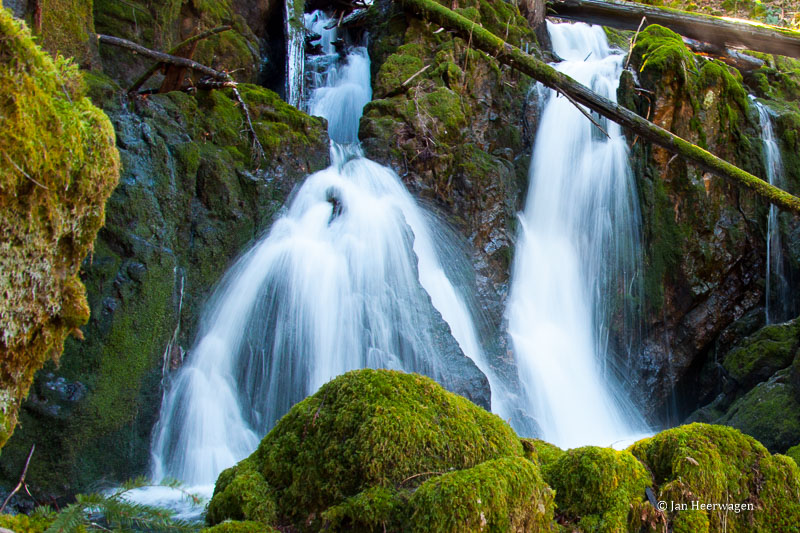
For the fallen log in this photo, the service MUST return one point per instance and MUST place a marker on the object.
(191, 40)
(737, 60)
(512, 56)
(724, 33)
(162, 57)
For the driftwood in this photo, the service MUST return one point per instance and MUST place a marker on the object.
(512, 56)
(720, 32)
(174, 51)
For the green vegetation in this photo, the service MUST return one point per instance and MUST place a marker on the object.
(595, 487)
(759, 356)
(59, 166)
(720, 464)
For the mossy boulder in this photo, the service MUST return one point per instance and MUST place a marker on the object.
(190, 199)
(759, 356)
(716, 464)
(506, 494)
(363, 441)
(794, 453)
(597, 487)
(59, 167)
(233, 526)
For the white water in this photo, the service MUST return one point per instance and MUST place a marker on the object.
(777, 299)
(336, 284)
(578, 255)
(295, 52)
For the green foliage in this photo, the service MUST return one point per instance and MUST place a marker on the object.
(364, 429)
(506, 494)
(232, 526)
(794, 453)
(717, 464)
(540, 452)
(59, 166)
(37, 522)
(596, 486)
(375, 509)
(241, 493)
(114, 512)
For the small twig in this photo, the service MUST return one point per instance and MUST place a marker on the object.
(633, 41)
(418, 475)
(417, 73)
(258, 150)
(21, 479)
(25, 173)
(585, 114)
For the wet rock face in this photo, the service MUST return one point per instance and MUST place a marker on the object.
(703, 238)
(457, 127)
(189, 201)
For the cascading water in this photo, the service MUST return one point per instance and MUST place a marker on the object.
(578, 257)
(777, 300)
(340, 282)
(295, 47)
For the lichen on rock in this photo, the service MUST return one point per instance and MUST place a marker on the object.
(59, 166)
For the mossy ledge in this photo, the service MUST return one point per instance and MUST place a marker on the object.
(59, 166)
(379, 450)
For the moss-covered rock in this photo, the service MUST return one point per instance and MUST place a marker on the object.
(794, 453)
(189, 200)
(161, 25)
(769, 412)
(759, 356)
(715, 464)
(366, 429)
(703, 238)
(506, 494)
(60, 165)
(597, 487)
(540, 452)
(247, 526)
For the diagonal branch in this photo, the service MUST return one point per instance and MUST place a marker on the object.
(514, 57)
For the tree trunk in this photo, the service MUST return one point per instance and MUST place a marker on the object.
(717, 31)
(512, 56)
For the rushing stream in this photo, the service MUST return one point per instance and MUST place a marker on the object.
(351, 276)
(343, 280)
(578, 257)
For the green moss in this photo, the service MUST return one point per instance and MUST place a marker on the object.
(241, 493)
(691, 521)
(35, 523)
(757, 357)
(59, 166)
(444, 105)
(716, 464)
(506, 494)
(394, 72)
(540, 452)
(794, 453)
(247, 526)
(375, 509)
(596, 486)
(372, 428)
(659, 50)
(68, 29)
(769, 412)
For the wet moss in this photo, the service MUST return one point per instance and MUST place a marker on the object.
(374, 509)
(506, 494)
(759, 356)
(371, 428)
(247, 526)
(659, 50)
(60, 165)
(394, 72)
(241, 493)
(540, 452)
(595, 487)
(769, 412)
(794, 453)
(717, 464)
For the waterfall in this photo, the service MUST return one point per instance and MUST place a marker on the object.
(295, 48)
(578, 257)
(343, 280)
(777, 298)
